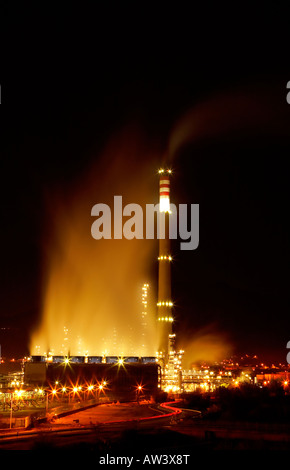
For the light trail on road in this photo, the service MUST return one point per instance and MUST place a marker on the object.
(28, 434)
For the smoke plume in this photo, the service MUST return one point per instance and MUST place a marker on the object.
(256, 110)
(92, 288)
(206, 345)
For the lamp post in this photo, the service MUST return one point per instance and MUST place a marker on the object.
(89, 390)
(99, 389)
(11, 408)
(139, 389)
(46, 402)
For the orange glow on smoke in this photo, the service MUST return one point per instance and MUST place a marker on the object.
(92, 288)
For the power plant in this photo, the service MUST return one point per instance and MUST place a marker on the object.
(164, 368)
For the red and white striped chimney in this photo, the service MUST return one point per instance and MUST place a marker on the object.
(164, 191)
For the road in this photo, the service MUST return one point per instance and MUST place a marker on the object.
(143, 426)
(108, 421)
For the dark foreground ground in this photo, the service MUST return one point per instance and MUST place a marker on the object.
(120, 430)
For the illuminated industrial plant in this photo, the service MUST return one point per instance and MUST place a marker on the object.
(167, 360)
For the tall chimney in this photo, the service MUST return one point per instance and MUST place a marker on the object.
(165, 304)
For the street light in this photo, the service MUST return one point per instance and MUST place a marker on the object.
(139, 389)
(99, 389)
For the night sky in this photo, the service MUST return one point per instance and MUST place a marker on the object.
(70, 80)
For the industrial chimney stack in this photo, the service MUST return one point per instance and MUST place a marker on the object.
(165, 304)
